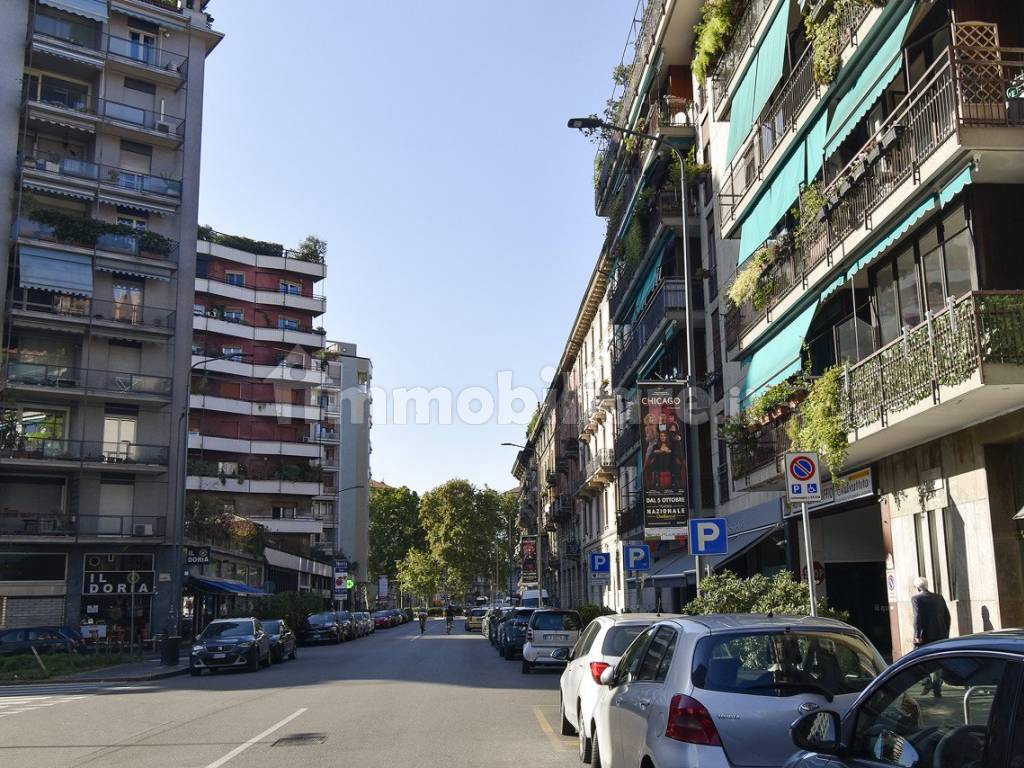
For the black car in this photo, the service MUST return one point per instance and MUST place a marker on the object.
(321, 628)
(231, 644)
(347, 624)
(951, 704)
(513, 632)
(43, 639)
(282, 639)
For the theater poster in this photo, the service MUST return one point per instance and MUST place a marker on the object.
(663, 460)
(528, 548)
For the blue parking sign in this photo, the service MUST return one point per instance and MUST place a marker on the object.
(637, 557)
(600, 566)
(709, 536)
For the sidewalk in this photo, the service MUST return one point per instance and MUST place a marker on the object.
(144, 669)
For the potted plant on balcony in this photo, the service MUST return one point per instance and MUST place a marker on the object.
(312, 249)
(153, 244)
(740, 435)
(818, 424)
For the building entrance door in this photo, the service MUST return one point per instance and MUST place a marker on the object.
(859, 589)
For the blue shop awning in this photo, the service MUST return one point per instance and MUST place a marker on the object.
(52, 270)
(215, 586)
(864, 90)
(778, 359)
(91, 9)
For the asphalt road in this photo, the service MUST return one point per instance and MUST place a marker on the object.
(393, 699)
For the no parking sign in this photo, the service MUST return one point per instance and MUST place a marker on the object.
(802, 477)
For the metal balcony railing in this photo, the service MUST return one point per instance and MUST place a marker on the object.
(142, 244)
(89, 379)
(668, 297)
(136, 315)
(94, 451)
(742, 40)
(148, 55)
(769, 444)
(670, 112)
(120, 178)
(113, 111)
(600, 465)
(18, 522)
(945, 350)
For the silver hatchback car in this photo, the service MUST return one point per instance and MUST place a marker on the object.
(722, 691)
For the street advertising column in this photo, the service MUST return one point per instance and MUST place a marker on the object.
(663, 460)
(528, 548)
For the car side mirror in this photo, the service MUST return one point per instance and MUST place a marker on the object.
(562, 654)
(607, 675)
(817, 732)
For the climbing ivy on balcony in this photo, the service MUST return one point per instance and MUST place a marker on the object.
(86, 232)
(819, 423)
(755, 282)
(714, 32)
(825, 38)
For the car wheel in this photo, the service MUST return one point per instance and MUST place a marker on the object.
(527, 667)
(337, 639)
(567, 729)
(584, 742)
(595, 753)
(254, 660)
(295, 650)
(506, 653)
(269, 660)
(277, 655)
(195, 671)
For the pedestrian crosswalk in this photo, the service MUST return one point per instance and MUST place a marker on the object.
(19, 699)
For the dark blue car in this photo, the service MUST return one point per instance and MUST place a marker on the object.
(952, 704)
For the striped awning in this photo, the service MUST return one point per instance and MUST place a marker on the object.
(51, 270)
(126, 268)
(91, 9)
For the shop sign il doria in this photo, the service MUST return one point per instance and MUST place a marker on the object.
(118, 583)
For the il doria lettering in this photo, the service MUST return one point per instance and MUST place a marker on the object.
(118, 583)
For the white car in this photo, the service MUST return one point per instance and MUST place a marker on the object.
(549, 630)
(602, 643)
(721, 691)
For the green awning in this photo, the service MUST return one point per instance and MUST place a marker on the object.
(650, 280)
(814, 145)
(779, 195)
(778, 359)
(762, 75)
(865, 88)
(51, 270)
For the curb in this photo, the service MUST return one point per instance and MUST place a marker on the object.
(112, 679)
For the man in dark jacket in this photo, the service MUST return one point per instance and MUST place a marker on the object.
(931, 623)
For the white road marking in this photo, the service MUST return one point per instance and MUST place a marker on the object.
(242, 747)
(21, 704)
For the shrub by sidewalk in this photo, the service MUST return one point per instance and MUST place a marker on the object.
(24, 668)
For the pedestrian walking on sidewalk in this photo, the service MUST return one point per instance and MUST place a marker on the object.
(931, 623)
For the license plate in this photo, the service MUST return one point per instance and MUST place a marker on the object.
(220, 655)
(556, 637)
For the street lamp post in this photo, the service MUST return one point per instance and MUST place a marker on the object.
(594, 123)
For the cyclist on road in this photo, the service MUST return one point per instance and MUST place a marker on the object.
(423, 622)
(449, 617)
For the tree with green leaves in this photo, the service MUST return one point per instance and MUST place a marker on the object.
(461, 523)
(395, 528)
(419, 574)
(726, 592)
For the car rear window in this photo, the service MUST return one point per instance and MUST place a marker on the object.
(618, 639)
(321, 618)
(478, 612)
(785, 663)
(548, 620)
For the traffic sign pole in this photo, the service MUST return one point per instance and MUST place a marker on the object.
(811, 589)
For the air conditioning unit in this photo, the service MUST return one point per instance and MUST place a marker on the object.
(142, 529)
(163, 126)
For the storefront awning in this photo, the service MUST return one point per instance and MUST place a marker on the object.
(214, 586)
(91, 9)
(53, 270)
(675, 569)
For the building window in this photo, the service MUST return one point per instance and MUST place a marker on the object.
(137, 223)
(287, 324)
(235, 278)
(287, 286)
(282, 513)
(127, 304)
(142, 46)
(197, 349)
(198, 310)
(119, 432)
(231, 353)
(234, 315)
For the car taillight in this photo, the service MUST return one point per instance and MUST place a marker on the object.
(529, 635)
(690, 721)
(596, 668)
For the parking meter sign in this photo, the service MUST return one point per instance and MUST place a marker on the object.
(803, 482)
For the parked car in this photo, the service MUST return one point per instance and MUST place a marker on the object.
(321, 628)
(948, 704)
(231, 643)
(347, 624)
(485, 622)
(381, 620)
(600, 646)
(548, 630)
(475, 619)
(282, 639)
(43, 639)
(495, 622)
(364, 624)
(513, 636)
(722, 690)
(74, 635)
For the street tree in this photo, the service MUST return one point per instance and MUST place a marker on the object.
(461, 523)
(419, 574)
(394, 528)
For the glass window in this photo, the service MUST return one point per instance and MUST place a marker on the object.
(888, 311)
(127, 304)
(934, 291)
(235, 278)
(630, 660)
(232, 353)
(910, 305)
(198, 309)
(119, 437)
(234, 315)
(958, 263)
(228, 629)
(659, 647)
(586, 640)
(785, 664)
(947, 702)
(288, 323)
(554, 620)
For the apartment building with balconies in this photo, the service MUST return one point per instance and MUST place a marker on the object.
(862, 226)
(101, 143)
(262, 437)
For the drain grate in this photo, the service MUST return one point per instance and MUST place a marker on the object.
(301, 740)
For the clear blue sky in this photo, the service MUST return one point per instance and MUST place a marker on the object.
(426, 142)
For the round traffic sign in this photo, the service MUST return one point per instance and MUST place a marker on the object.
(802, 467)
(339, 582)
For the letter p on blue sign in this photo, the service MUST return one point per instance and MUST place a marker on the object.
(709, 536)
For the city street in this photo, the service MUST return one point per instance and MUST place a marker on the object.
(392, 699)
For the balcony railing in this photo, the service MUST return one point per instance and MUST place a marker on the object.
(602, 463)
(16, 522)
(79, 34)
(93, 451)
(630, 514)
(769, 444)
(66, 377)
(945, 350)
(670, 112)
(141, 244)
(778, 118)
(149, 55)
(221, 314)
(742, 40)
(123, 312)
(114, 111)
(121, 178)
(668, 297)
